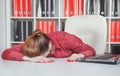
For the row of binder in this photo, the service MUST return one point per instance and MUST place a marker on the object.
(22, 29)
(22, 8)
(115, 8)
(47, 26)
(98, 7)
(47, 8)
(73, 7)
(115, 31)
(115, 48)
(50, 8)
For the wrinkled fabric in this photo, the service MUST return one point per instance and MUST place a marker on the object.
(66, 44)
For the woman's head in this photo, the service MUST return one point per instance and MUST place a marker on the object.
(36, 44)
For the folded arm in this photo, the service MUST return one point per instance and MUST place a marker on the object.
(13, 53)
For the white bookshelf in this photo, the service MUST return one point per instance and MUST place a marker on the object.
(2, 26)
(58, 18)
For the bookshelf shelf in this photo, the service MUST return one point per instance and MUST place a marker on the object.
(57, 12)
(22, 17)
(115, 18)
(49, 18)
(14, 42)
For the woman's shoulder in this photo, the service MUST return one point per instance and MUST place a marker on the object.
(60, 32)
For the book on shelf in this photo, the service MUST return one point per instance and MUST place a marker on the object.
(80, 7)
(47, 26)
(22, 29)
(115, 8)
(91, 10)
(63, 25)
(117, 31)
(112, 7)
(22, 8)
(88, 7)
(115, 48)
(29, 10)
(102, 7)
(71, 11)
(53, 10)
(30, 27)
(113, 31)
(17, 8)
(118, 5)
(42, 3)
(39, 9)
(47, 2)
(27, 29)
(25, 32)
(17, 31)
(73, 7)
(96, 7)
(46, 8)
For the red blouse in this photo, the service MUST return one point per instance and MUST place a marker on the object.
(66, 44)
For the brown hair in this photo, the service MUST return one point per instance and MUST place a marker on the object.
(36, 44)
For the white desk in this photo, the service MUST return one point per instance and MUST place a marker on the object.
(59, 68)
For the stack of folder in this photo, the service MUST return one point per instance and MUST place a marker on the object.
(22, 29)
(115, 8)
(47, 26)
(46, 8)
(22, 8)
(96, 7)
(115, 31)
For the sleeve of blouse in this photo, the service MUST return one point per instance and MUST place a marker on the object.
(13, 53)
(85, 49)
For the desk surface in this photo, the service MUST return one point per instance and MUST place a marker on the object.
(59, 68)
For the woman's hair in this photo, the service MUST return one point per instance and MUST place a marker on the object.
(36, 44)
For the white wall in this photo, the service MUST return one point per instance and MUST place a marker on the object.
(2, 26)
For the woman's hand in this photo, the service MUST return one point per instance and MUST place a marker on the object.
(40, 59)
(74, 57)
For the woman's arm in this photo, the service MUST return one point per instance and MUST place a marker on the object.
(40, 59)
(85, 49)
(75, 56)
(82, 51)
(14, 53)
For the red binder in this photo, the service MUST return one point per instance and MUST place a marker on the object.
(69, 8)
(118, 31)
(46, 26)
(53, 26)
(66, 8)
(113, 31)
(80, 7)
(73, 7)
(24, 5)
(22, 8)
(29, 8)
(17, 8)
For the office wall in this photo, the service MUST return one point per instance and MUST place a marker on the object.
(2, 26)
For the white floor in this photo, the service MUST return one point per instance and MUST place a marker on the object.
(59, 68)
